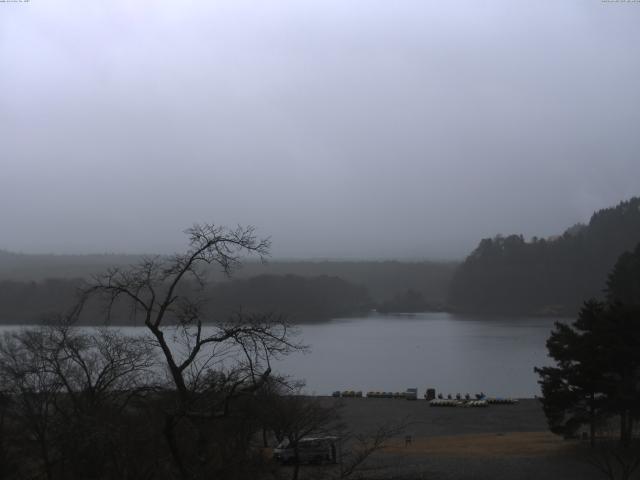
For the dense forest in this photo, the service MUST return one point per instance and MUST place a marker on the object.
(409, 301)
(507, 274)
(383, 279)
(32, 287)
(38, 267)
(300, 299)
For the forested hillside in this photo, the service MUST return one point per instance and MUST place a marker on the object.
(301, 299)
(546, 276)
(38, 267)
(384, 280)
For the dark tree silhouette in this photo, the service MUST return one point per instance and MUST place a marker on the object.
(294, 417)
(507, 274)
(211, 361)
(597, 372)
(66, 395)
(573, 391)
(623, 283)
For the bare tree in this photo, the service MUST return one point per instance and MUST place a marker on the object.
(7, 460)
(66, 390)
(210, 361)
(360, 447)
(293, 417)
(31, 392)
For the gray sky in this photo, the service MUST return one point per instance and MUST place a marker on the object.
(342, 128)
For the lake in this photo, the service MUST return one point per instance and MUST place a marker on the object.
(451, 353)
(390, 352)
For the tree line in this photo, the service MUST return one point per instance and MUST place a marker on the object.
(382, 279)
(507, 274)
(302, 299)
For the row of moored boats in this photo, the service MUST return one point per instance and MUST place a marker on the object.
(480, 400)
(449, 402)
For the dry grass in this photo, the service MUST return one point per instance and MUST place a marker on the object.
(486, 444)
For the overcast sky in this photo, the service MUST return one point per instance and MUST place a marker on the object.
(341, 128)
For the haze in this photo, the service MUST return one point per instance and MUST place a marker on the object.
(343, 129)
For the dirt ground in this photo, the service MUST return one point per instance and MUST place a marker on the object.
(363, 414)
(495, 443)
(486, 444)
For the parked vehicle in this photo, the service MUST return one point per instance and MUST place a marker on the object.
(310, 450)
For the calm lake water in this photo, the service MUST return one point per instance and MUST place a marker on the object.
(451, 353)
(448, 352)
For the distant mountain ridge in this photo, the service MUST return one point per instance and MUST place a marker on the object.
(507, 274)
(301, 299)
(383, 279)
(32, 287)
(37, 267)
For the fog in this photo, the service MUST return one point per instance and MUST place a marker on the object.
(342, 129)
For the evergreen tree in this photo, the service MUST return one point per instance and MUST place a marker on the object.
(574, 392)
(623, 284)
(623, 343)
(508, 274)
(597, 372)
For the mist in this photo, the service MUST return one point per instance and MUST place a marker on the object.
(360, 129)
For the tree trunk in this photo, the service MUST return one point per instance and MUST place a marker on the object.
(629, 427)
(592, 423)
(170, 436)
(296, 465)
(47, 464)
(625, 437)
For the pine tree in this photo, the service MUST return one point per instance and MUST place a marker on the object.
(574, 391)
(597, 372)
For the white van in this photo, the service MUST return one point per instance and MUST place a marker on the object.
(310, 450)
